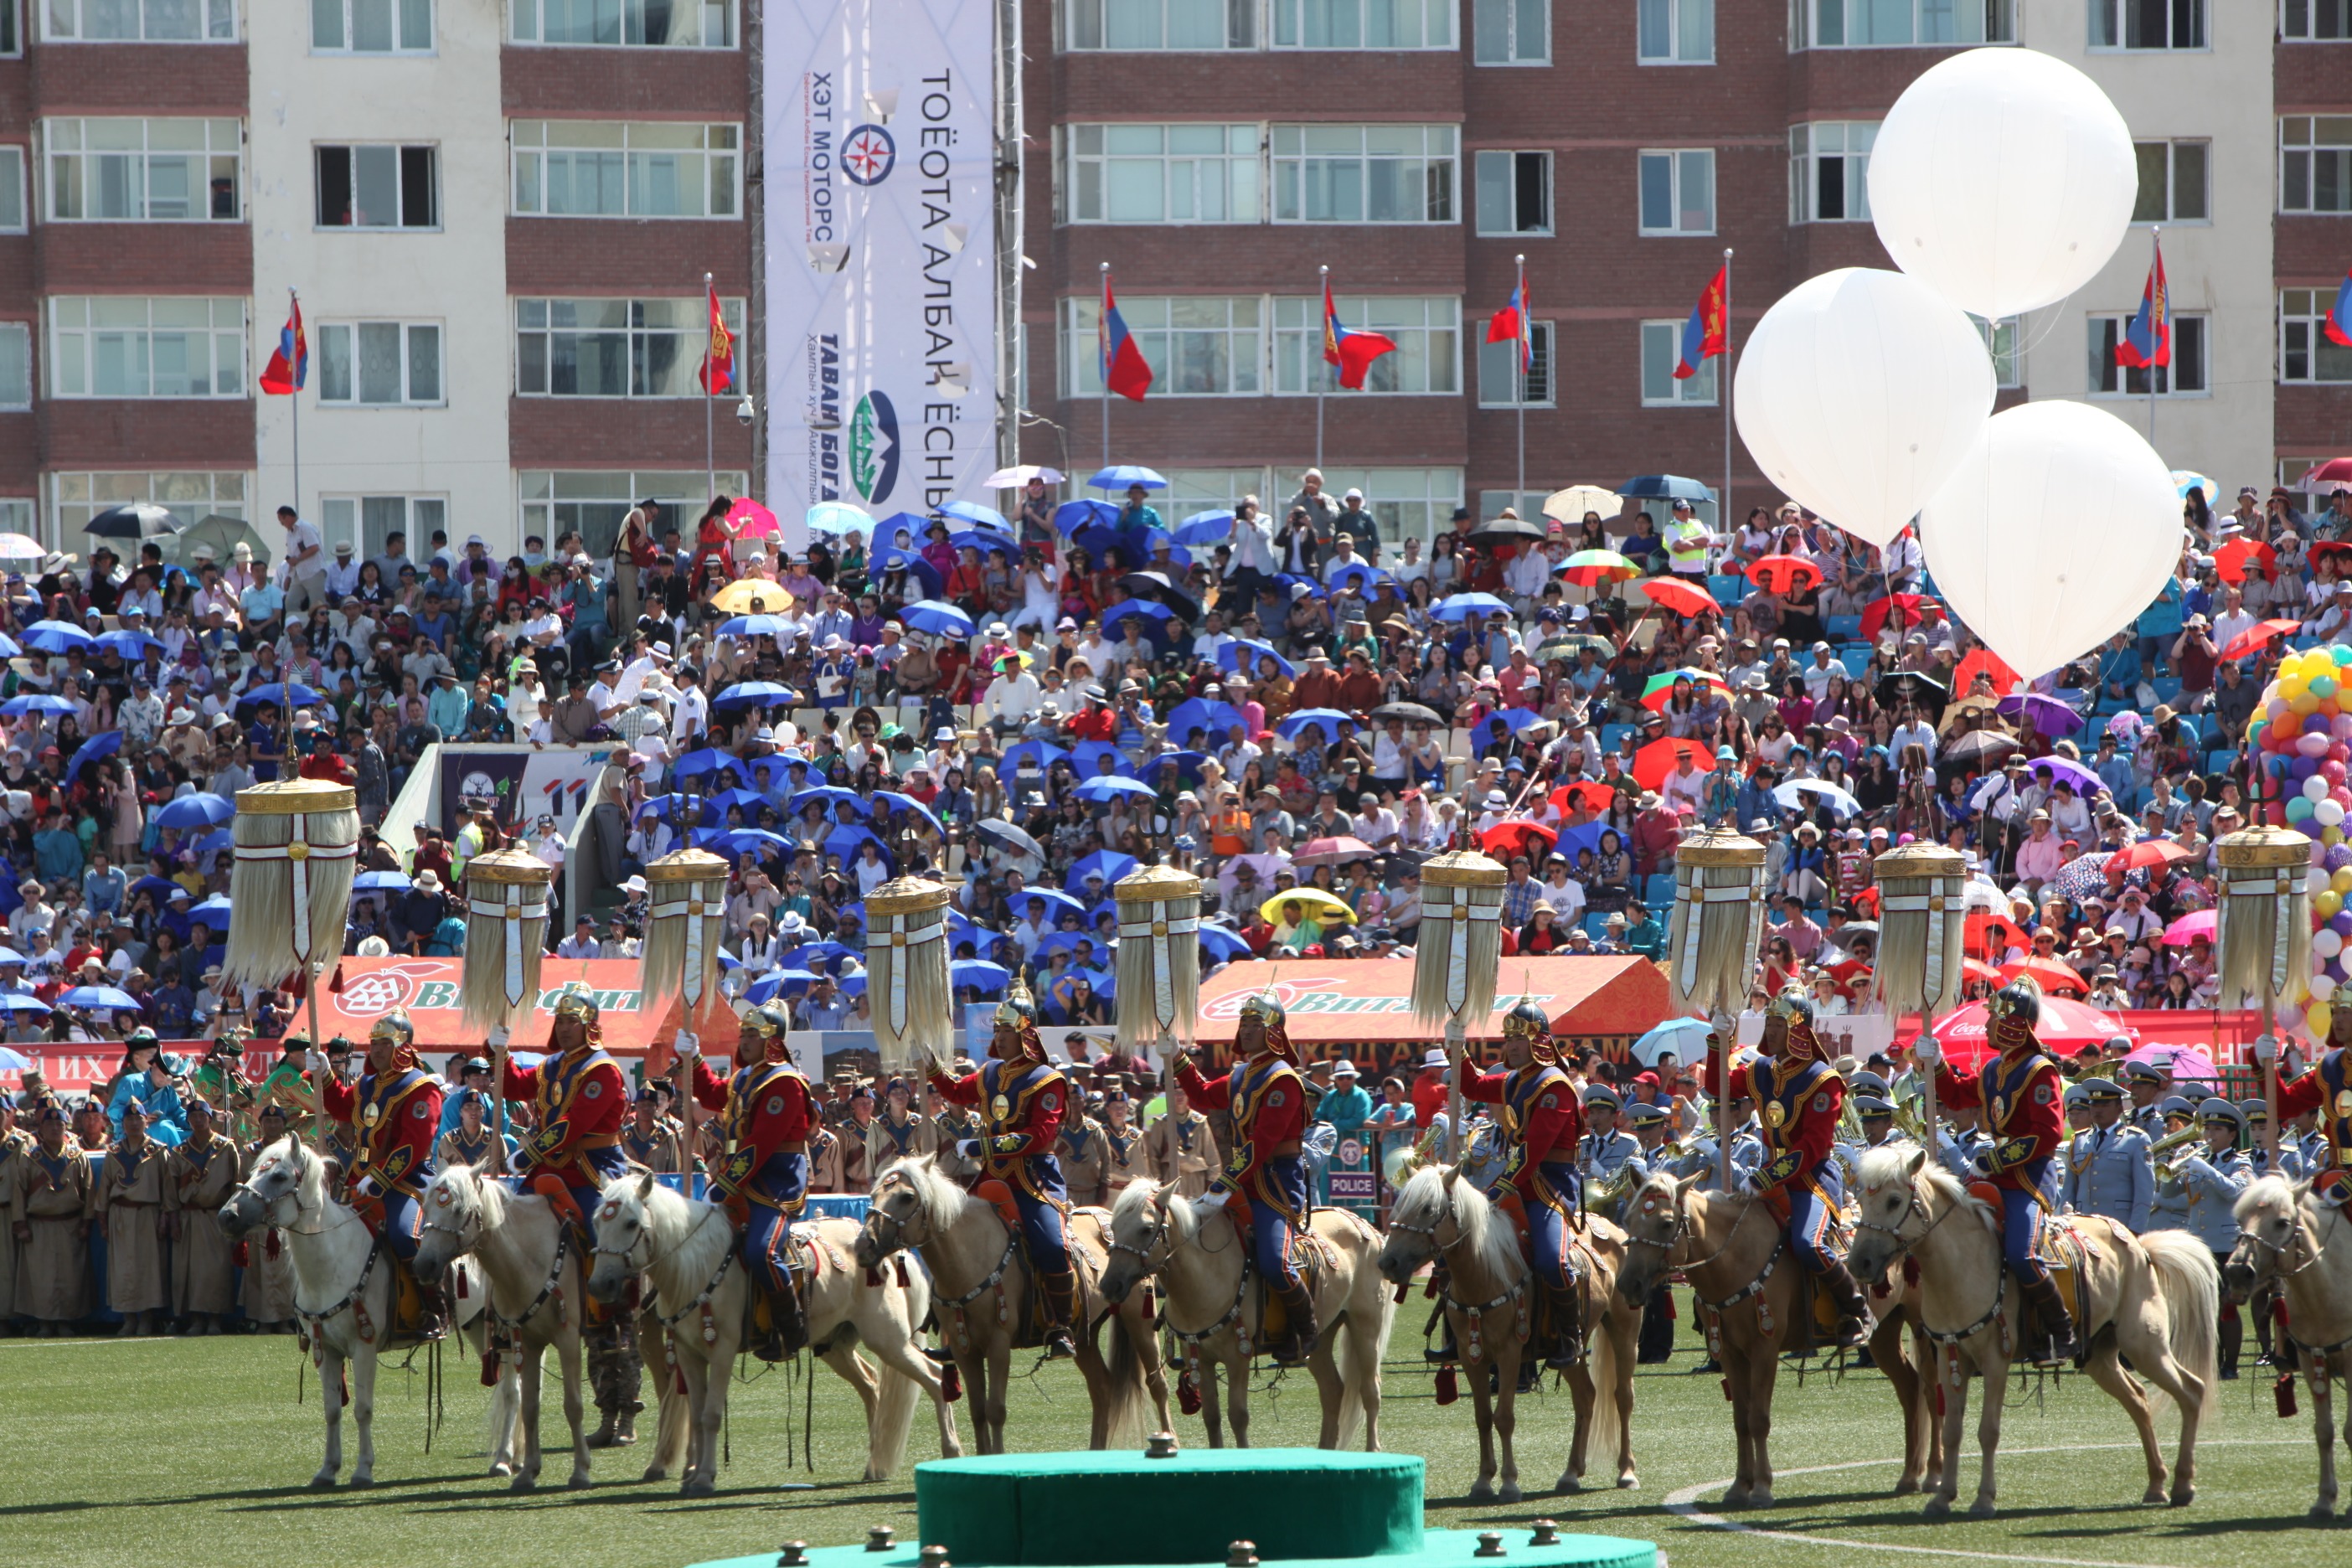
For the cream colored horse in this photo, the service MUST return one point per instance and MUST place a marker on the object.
(2303, 1243)
(1490, 1307)
(1198, 1254)
(2154, 1298)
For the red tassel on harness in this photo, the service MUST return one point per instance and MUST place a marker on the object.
(241, 1255)
(271, 1247)
(462, 1288)
(1404, 1288)
(873, 1279)
(1940, 1402)
(901, 1262)
(1149, 1315)
(1910, 1270)
(1449, 1387)
(950, 1383)
(489, 1369)
(2282, 1393)
(1188, 1394)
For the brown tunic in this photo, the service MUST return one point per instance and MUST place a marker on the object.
(204, 1273)
(1183, 1151)
(661, 1150)
(134, 1194)
(825, 1161)
(51, 1196)
(13, 1150)
(887, 1145)
(1084, 1157)
(1125, 1159)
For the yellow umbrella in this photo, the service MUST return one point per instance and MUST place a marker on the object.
(1571, 504)
(1318, 904)
(735, 598)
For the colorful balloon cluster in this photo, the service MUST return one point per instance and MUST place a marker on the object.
(2304, 732)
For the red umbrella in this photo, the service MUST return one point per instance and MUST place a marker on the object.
(2066, 1029)
(1591, 793)
(2048, 973)
(1904, 607)
(2316, 553)
(1972, 970)
(1680, 598)
(2256, 637)
(1335, 851)
(2149, 854)
(1518, 836)
(1784, 573)
(2232, 559)
(1985, 662)
(1987, 932)
(1661, 689)
(1654, 762)
(2334, 471)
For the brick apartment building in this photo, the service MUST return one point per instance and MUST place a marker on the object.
(500, 220)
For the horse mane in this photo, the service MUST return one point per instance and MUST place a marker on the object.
(1424, 1199)
(1183, 1219)
(1946, 1185)
(470, 1190)
(691, 1247)
(2273, 1191)
(943, 1201)
(309, 1172)
(1887, 1165)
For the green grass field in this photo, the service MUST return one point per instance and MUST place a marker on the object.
(149, 1452)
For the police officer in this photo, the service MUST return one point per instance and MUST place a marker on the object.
(2310, 1140)
(2150, 1089)
(2258, 1159)
(2078, 1113)
(2170, 1210)
(2214, 1177)
(1655, 1345)
(2110, 1171)
(1605, 1149)
(1874, 1110)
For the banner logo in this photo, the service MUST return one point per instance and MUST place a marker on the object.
(873, 447)
(869, 154)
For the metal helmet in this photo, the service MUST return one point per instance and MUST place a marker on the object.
(762, 1021)
(1265, 1010)
(396, 1026)
(1019, 1009)
(1793, 1004)
(2020, 999)
(1528, 1022)
(775, 1022)
(576, 1001)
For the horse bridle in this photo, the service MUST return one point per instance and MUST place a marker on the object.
(2298, 1234)
(294, 1196)
(877, 1217)
(1903, 1245)
(1682, 1229)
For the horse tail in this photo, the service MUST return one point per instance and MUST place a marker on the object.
(1124, 1372)
(1359, 1357)
(674, 1415)
(2189, 1285)
(894, 1405)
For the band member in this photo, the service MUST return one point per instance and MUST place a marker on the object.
(1541, 1126)
(766, 1108)
(394, 1108)
(2110, 1169)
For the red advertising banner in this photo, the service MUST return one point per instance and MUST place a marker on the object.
(1369, 1001)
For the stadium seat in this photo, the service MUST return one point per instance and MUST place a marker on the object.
(2220, 761)
(2167, 688)
(1845, 628)
(1612, 735)
(1727, 588)
(2089, 739)
(1596, 924)
(1658, 891)
(1856, 656)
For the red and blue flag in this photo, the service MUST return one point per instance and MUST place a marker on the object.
(718, 372)
(1709, 330)
(2146, 342)
(1352, 352)
(1510, 324)
(290, 366)
(2338, 325)
(1124, 370)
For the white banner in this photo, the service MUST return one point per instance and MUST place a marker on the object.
(881, 259)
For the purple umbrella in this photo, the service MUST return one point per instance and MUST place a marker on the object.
(2084, 781)
(2046, 714)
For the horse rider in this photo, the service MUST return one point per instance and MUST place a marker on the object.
(396, 1109)
(1801, 1096)
(2149, 1087)
(2170, 1208)
(2017, 1090)
(2214, 1177)
(2110, 1170)
(1022, 1097)
(1541, 1126)
(1264, 1181)
(765, 1107)
(2325, 1087)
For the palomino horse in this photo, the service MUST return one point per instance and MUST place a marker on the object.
(2304, 1243)
(1202, 1266)
(1490, 1307)
(340, 1270)
(2154, 1298)
(980, 1294)
(687, 1248)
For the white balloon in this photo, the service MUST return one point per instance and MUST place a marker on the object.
(2326, 943)
(1859, 392)
(2327, 813)
(2055, 531)
(2317, 882)
(2003, 178)
(2323, 987)
(2315, 788)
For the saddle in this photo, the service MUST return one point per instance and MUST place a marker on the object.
(1814, 1312)
(411, 1324)
(2062, 1251)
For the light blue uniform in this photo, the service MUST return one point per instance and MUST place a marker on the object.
(2213, 1183)
(2170, 1209)
(2113, 1174)
(1600, 1154)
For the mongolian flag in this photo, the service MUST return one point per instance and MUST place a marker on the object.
(718, 372)
(2338, 325)
(2148, 341)
(1709, 330)
(1353, 353)
(290, 366)
(1510, 324)
(1123, 367)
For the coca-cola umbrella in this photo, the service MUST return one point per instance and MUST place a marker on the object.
(2232, 559)
(2148, 855)
(1990, 665)
(1518, 836)
(2066, 1028)
(1654, 762)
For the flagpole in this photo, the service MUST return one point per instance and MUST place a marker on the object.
(709, 459)
(1322, 290)
(1519, 352)
(1103, 327)
(295, 401)
(1723, 512)
(2155, 251)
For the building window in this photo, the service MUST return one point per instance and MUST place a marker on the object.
(2148, 24)
(627, 24)
(2171, 182)
(1514, 193)
(1879, 24)
(2305, 351)
(379, 187)
(368, 520)
(143, 171)
(2000, 343)
(1679, 192)
(1498, 371)
(603, 168)
(1363, 24)
(1828, 172)
(1197, 345)
(1363, 174)
(11, 44)
(1661, 349)
(1676, 33)
(2316, 21)
(1406, 503)
(2184, 377)
(76, 498)
(1427, 332)
(20, 514)
(12, 204)
(591, 502)
(1159, 25)
(371, 27)
(1511, 32)
(1161, 173)
(113, 345)
(139, 21)
(1191, 491)
(2315, 163)
(614, 348)
(379, 363)
(16, 365)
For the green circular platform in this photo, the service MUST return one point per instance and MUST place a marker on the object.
(1438, 1548)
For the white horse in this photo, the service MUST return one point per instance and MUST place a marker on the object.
(687, 1248)
(341, 1272)
(1200, 1258)
(532, 1292)
(2304, 1244)
(2156, 1298)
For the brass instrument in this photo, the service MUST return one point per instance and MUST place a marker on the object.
(1906, 1121)
(2171, 1141)
(1607, 1195)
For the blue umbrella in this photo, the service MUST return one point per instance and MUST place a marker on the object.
(218, 839)
(937, 617)
(1074, 941)
(1073, 515)
(1461, 606)
(909, 803)
(916, 567)
(1686, 1037)
(1104, 788)
(1292, 580)
(1360, 574)
(1087, 758)
(1572, 839)
(1222, 944)
(756, 693)
(837, 518)
(1230, 657)
(1045, 753)
(1053, 898)
(988, 979)
(1840, 801)
(1204, 527)
(1665, 487)
(1153, 538)
(854, 985)
(780, 982)
(1108, 864)
(55, 637)
(846, 841)
(1119, 476)
(161, 887)
(1216, 718)
(380, 882)
(983, 541)
(972, 512)
(37, 702)
(132, 645)
(282, 694)
(811, 954)
(833, 795)
(1186, 763)
(104, 744)
(1150, 609)
(749, 799)
(213, 912)
(917, 528)
(707, 760)
(10, 955)
(1326, 720)
(8, 649)
(202, 809)
(757, 841)
(754, 626)
(1512, 718)
(668, 807)
(100, 996)
(18, 1002)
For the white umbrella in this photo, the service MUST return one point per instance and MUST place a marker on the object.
(1571, 504)
(1841, 802)
(20, 547)
(1019, 474)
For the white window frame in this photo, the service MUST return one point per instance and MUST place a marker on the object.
(1085, 26)
(1427, 329)
(1406, 503)
(345, 517)
(399, 151)
(540, 498)
(77, 495)
(1096, 156)
(397, 12)
(16, 186)
(219, 25)
(1210, 488)
(2300, 19)
(692, 331)
(2300, 140)
(334, 342)
(1506, 161)
(2302, 318)
(1438, 25)
(2187, 326)
(1176, 333)
(74, 345)
(2002, 344)
(2172, 216)
(1935, 24)
(527, 28)
(1502, 359)
(2110, 25)
(1677, 169)
(1679, 17)
(639, 143)
(18, 397)
(66, 144)
(1293, 161)
(1808, 145)
(1515, 50)
(20, 514)
(1680, 393)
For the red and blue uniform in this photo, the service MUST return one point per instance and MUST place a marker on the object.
(1798, 1098)
(765, 1113)
(1543, 1121)
(2023, 1095)
(579, 1102)
(1263, 1175)
(397, 1115)
(1021, 1104)
(2326, 1087)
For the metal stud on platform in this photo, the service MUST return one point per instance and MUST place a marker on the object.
(1159, 1446)
(1547, 1533)
(1242, 1554)
(878, 1537)
(793, 1555)
(1490, 1543)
